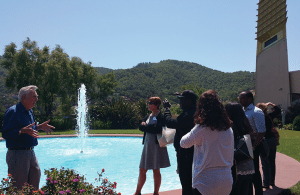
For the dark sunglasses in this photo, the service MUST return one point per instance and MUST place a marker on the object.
(150, 103)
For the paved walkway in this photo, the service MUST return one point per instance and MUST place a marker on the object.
(287, 168)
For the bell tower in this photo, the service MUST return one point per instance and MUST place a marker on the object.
(272, 74)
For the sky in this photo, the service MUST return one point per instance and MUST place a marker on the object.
(119, 34)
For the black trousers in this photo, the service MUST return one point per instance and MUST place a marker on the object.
(256, 180)
(241, 186)
(196, 192)
(185, 163)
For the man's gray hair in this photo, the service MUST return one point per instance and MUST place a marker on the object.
(26, 90)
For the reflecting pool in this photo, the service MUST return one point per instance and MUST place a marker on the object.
(119, 156)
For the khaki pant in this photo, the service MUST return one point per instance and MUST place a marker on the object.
(23, 167)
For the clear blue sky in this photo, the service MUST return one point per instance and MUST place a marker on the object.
(219, 34)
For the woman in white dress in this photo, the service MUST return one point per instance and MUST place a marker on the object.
(213, 143)
(153, 157)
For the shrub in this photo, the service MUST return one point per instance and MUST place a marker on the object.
(7, 185)
(122, 114)
(62, 122)
(98, 124)
(277, 122)
(288, 126)
(296, 123)
(293, 111)
(63, 181)
(143, 107)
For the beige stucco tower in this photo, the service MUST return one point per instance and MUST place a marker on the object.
(272, 74)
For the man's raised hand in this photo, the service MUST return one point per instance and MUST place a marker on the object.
(28, 130)
(45, 127)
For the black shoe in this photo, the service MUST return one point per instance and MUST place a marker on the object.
(265, 186)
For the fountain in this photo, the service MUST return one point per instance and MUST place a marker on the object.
(120, 156)
(82, 128)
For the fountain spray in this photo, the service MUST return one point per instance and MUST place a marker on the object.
(82, 128)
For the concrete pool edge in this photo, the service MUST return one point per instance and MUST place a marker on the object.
(90, 135)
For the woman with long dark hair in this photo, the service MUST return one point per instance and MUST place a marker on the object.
(240, 127)
(153, 157)
(213, 143)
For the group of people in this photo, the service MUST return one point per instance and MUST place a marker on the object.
(206, 133)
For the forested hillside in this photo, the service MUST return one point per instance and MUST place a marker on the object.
(163, 79)
(166, 77)
(102, 70)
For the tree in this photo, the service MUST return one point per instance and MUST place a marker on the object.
(195, 88)
(56, 75)
(104, 86)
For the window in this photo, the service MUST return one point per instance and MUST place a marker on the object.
(270, 41)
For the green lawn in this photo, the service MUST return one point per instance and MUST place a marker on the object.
(289, 143)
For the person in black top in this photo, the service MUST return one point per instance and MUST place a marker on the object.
(272, 138)
(183, 124)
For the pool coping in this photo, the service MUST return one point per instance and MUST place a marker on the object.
(89, 135)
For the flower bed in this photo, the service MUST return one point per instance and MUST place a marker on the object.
(63, 181)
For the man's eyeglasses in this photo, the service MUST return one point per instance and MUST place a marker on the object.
(150, 103)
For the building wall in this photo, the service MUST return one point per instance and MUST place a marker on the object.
(295, 81)
(272, 76)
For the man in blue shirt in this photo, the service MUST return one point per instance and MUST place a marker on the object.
(257, 121)
(20, 132)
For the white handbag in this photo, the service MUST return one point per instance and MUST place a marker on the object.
(166, 137)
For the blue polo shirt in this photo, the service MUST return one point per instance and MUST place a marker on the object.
(15, 118)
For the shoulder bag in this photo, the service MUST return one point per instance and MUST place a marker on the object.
(243, 150)
(166, 137)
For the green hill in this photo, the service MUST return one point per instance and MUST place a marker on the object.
(102, 70)
(162, 79)
(166, 77)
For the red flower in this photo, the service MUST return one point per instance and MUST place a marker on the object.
(5, 179)
(9, 175)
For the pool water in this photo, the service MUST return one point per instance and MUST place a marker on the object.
(119, 156)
